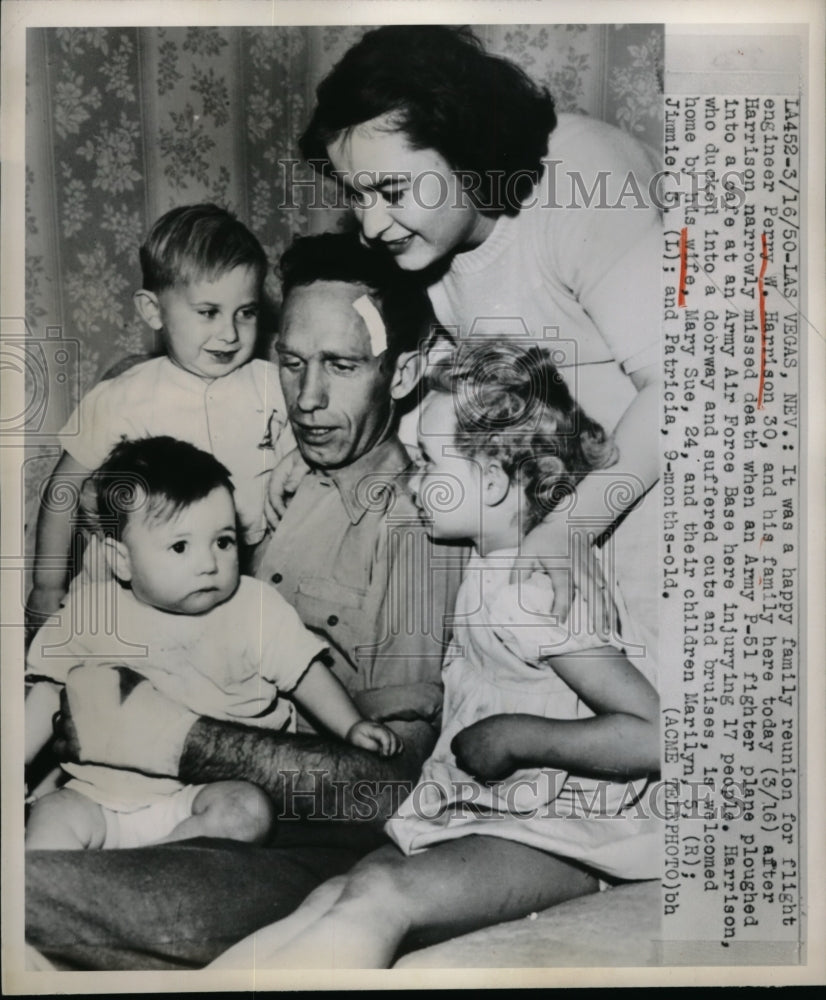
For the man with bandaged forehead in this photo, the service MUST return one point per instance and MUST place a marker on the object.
(350, 553)
(348, 348)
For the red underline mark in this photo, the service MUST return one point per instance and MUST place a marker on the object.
(764, 256)
(683, 266)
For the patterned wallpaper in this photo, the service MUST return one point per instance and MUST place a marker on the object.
(124, 123)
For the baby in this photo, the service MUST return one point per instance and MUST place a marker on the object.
(223, 645)
(203, 274)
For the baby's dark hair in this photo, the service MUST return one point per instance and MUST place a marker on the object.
(159, 476)
(193, 242)
(513, 405)
(482, 113)
(400, 297)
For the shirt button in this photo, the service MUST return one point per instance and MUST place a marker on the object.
(276, 578)
(332, 620)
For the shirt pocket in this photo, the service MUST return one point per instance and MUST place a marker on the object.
(340, 613)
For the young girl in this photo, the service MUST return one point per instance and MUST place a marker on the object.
(538, 782)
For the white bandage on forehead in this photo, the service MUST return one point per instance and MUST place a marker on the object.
(374, 323)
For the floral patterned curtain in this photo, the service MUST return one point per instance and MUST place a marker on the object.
(124, 123)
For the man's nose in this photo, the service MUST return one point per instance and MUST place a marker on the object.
(313, 394)
(373, 217)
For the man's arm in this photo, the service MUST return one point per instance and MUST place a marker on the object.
(307, 775)
(111, 715)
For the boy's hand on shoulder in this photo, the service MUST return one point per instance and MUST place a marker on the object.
(284, 481)
(376, 737)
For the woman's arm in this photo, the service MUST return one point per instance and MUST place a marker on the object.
(600, 498)
(611, 261)
(638, 464)
(621, 741)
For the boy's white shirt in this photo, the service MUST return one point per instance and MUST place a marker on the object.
(240, 418)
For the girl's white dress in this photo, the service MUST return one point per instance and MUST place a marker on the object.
(498, 664)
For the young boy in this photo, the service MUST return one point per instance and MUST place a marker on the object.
(223, 645)
(203, 273)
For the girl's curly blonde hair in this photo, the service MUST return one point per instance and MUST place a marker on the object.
(513, 405)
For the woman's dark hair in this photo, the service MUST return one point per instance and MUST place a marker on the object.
(400, 298)
(479, 111)
(513, 405)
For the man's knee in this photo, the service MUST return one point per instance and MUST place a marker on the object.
(237, 810)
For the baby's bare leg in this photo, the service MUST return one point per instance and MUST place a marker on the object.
(450, 889)
(236, 810)
(65, 820)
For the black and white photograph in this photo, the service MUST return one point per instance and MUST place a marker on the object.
(412, 478)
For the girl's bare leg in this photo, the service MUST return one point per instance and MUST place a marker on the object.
(450, 889)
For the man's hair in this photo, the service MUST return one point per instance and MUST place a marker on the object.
(512, 405)
(193, 242)
(400, 297)
(158, 476)
(482, 113)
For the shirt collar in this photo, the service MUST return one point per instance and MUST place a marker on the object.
(359, 483)
(186, 379)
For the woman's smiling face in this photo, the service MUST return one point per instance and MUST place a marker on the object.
(408, 201)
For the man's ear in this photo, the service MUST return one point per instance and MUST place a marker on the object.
(118, 559)
(496, 483)
(407, 374)
(149, 308)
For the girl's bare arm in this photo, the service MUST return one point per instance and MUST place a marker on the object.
(620, 742)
